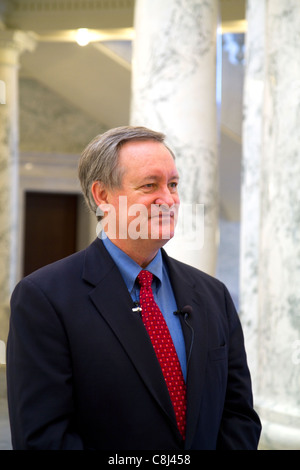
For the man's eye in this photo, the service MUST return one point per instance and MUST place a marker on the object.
(173, 185)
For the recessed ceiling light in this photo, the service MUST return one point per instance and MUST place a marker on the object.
(82, 36)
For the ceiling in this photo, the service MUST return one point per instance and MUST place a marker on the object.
(95, 78)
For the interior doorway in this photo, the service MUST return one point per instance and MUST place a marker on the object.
(50, 231)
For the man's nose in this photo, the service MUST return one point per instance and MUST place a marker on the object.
(166, 198)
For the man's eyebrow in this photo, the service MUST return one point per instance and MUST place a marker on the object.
(156, 177)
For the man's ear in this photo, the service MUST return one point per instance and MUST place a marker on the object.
(99, 193)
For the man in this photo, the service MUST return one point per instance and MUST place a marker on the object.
(84, 368)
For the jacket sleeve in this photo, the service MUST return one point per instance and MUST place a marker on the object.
(240, 425)
(39, 374)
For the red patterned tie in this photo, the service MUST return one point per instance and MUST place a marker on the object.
(164, 348)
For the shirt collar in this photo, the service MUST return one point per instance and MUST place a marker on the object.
(130, 269)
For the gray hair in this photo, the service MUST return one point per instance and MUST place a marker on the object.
(99, 160)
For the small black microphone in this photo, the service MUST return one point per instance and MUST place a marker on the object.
(185, 311)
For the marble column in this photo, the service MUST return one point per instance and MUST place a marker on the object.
(11, 44)
(251, 176)
(270, 279)
(174, 91)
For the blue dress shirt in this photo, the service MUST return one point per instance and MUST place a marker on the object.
(162, 291)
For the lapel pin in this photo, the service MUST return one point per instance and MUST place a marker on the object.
(137, 308)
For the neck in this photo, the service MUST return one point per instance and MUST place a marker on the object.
(141, 251)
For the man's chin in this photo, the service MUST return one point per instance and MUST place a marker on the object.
(161, 228)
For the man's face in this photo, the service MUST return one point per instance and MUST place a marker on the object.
(147, 203)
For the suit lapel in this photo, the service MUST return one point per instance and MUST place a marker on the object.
(186, 294)
(113, 302)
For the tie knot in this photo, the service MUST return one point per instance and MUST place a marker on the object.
(145, 278)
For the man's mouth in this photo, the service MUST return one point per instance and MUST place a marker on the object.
(162, 212)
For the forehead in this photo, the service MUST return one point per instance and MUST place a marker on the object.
(145, 154)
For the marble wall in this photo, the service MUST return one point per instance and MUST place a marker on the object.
(51, 134)
(49, 124)
(270, 269)
(8, 178)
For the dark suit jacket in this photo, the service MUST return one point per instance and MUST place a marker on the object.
(82, 373)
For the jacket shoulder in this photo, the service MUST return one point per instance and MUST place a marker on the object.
(191, 273)
(59, 268)
(62, 272)
(184, 274)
